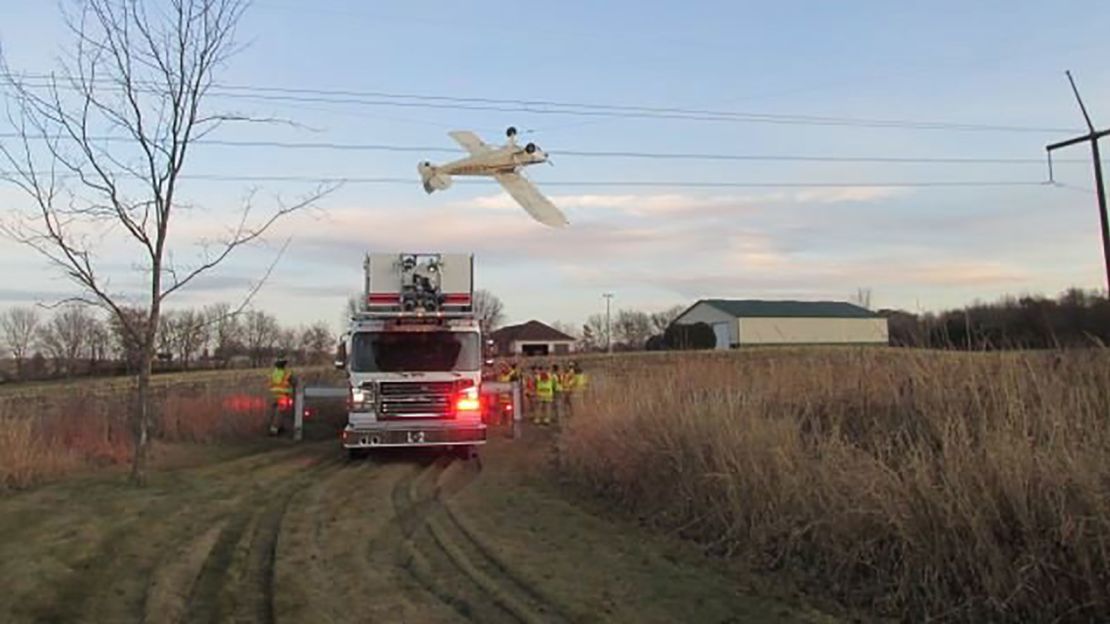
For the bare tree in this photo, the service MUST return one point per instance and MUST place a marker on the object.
(126, 342)
(288, 343)
(632, 328)
(354, 305)
(566, 328)
(99, 339)
(862, 298)
(225, 330)
(260, 334)
(593, 333)
(164, 337)
(66, 337)
(188, 331)
(488, 309)
(102, 149)
(660, 321)
(317, 342)
(20, 327)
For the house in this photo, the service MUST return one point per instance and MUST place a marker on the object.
(531, 338)
(746, 322)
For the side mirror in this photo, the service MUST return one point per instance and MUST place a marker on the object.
(341, 356)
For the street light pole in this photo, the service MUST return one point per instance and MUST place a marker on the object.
(608, 323)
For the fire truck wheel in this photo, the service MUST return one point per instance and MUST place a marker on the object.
(356, 454)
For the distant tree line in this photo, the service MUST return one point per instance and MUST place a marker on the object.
(75, 340)
(1076, 318)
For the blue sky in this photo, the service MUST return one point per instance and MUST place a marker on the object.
(997, 63)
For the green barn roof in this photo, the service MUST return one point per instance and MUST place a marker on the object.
(755, 308)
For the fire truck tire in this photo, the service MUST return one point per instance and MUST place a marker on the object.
(357, 454)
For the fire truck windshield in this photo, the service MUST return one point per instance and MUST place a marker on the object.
(389, 352)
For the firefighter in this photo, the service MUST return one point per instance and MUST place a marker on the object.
(567, 381)
(580, 379)
(545, 397)
(281, 389)
(559, 392)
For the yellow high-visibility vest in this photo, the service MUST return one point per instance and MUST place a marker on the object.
(281, 382)
(568, 381)
(545, 388)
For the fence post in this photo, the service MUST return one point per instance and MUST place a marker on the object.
(517, 404)
(298, 411)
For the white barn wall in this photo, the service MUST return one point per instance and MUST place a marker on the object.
(755, 331)
(705, 313)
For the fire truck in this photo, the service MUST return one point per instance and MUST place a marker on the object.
(413, 356)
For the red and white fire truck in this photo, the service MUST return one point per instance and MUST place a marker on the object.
(413, 356)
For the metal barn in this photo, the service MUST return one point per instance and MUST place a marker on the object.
(750, 322)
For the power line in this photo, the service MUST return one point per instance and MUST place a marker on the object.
(383, 147)
(332, 179)
(568, 108)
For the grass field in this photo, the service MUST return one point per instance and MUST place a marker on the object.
(928, 486)
(284, 533)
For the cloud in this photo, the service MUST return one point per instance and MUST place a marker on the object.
(773, 274)
(678, 204)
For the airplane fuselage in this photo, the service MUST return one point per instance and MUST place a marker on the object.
(502, 160)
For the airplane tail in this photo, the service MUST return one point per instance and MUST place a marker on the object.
(433, 178)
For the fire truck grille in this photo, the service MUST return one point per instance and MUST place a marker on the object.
(415, 399)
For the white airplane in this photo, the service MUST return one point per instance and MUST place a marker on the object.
(502, 164)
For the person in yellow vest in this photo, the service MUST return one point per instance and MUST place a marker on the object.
(281, 389)
(559, 404)
(545, 397)
(566, 381)
(580, 379)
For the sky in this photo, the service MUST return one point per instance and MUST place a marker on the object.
(655, 232)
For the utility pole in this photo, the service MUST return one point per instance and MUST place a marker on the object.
(1093, 136)
(608, 323)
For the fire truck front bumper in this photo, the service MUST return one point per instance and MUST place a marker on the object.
(397, 434)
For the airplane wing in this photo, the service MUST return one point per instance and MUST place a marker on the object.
(469, 141)
(529, 197)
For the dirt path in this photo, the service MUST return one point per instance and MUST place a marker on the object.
(300, 534)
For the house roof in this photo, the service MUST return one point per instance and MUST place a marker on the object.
(755, 308)
(532, 330)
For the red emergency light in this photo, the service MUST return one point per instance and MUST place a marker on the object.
(468, 400)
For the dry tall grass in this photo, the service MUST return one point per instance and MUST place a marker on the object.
(931, 486)
(48, 430)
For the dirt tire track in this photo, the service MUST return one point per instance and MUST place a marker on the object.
(437, 550)
(456, 532)
(241, 562)
(171, 584)
(428, 565)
